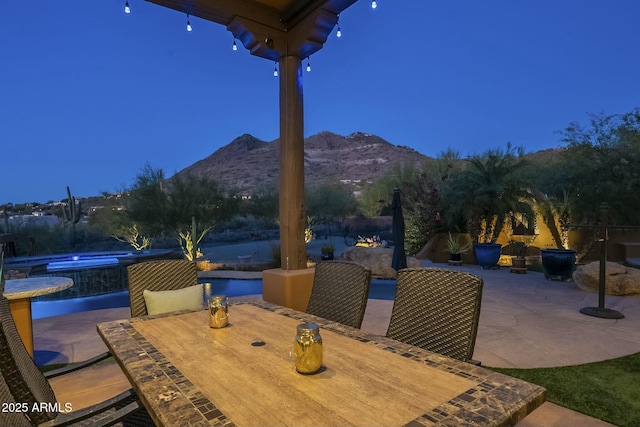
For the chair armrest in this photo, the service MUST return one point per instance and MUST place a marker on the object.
(105, 413)
(77, 366)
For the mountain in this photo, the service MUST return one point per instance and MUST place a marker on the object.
(248, 163)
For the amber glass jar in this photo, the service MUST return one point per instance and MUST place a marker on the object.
(307, 348)
(218, 311)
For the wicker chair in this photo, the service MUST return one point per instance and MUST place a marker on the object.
(12, 418)
(340, 292)
(158, 276)
(25, 384)
(438, 310)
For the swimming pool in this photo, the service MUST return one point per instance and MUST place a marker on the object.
(41, 264)
(93, 273)
(380, 289)
(77, 262)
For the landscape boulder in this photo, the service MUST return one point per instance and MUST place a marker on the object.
(619, 280)
(378, 260)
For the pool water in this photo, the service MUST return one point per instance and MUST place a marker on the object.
(40, 309)
(380, 289)
(76, 262)
(93, 273)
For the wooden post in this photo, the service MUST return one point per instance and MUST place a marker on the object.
(292, 210)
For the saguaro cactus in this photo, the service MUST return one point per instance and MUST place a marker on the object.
(71, 214)
(5, 214)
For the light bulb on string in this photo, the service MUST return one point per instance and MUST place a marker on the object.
(127, 9)
(339, 32)
(308, 65)
(275, 70)
(189, 28)
(235, 46)
(374, 4)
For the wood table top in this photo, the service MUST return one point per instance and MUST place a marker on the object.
(189, 374)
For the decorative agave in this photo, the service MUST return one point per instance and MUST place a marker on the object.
(456, 247)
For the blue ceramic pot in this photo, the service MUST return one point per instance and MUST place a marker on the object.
(487, 254)
(558, 263)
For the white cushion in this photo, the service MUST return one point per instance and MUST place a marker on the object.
(189, 298)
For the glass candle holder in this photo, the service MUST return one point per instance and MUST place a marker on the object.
(218, 311)
(307, 348)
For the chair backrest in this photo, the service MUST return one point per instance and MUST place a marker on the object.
(158, 276)
(340, 292)
(23, 378)
(438, 310)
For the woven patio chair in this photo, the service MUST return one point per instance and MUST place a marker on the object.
(340, 292)
(25, 384)
(162, 275)
(438, 310)
(12, 417)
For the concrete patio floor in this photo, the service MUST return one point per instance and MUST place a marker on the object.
(526, 321)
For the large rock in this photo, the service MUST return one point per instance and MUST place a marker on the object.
(378, 260)
(619, 280)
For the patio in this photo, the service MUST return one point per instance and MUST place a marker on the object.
(526, 321)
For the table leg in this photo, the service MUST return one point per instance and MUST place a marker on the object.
(21, 312)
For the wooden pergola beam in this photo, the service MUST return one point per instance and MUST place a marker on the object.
(285, 31)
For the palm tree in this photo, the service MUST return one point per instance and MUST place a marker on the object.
(487, 193)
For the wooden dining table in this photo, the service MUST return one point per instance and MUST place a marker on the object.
(188, 374)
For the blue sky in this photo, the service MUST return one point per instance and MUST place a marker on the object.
(91, 94)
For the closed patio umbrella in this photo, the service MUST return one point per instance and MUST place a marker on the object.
(399, 260)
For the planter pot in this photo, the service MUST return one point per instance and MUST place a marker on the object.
(518, 262)
(558, 263)
(326, 257)
(456, 257)
(487, 254)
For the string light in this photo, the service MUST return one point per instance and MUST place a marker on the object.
(235, 46)
(374, 4)
(339, 32)
(127, 9)
(275, 70)
(189, 28)
(308, 65)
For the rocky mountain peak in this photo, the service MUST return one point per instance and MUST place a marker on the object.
(248, 163)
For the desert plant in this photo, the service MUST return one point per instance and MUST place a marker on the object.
(328, 248)
(455, 246)
(517, 249)
(308, 231)
(489, 192)
(71, 214)
(189, 242)
(131, 235)
(276, 254)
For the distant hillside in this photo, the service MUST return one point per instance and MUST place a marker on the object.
(248, 163)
